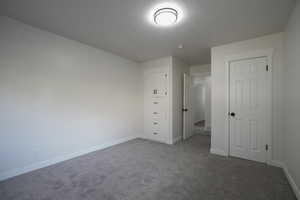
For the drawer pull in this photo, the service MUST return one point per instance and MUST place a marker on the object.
(155, 133)
(155, 113)
(155, 102)
(155, 123)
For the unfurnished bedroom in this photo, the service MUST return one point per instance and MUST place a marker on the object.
(149, 100)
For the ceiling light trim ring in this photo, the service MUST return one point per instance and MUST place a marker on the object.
(165, 10)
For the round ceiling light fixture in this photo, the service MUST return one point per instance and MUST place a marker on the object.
(165, 16)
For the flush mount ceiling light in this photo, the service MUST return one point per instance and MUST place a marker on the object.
(165, 16)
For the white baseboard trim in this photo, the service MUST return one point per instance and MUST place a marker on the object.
(218, 152)
(276, 163)
(292, 182)
(289, 177)
(38, 165)
(144, 137)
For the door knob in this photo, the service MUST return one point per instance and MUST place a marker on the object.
(232, 114)
(184, 109)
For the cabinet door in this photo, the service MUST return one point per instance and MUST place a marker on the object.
(158, 86)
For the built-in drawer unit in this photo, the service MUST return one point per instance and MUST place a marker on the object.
(156, 106)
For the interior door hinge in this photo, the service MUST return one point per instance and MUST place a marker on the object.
(267, 147)
(267, 67)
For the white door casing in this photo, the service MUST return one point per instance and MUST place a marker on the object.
(187, 125)
(249, 108)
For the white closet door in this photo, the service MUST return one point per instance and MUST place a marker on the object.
(249, 109)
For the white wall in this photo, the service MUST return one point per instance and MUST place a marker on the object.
(219, 90)
(178, 69)
(292, 98)
(197, 69)
(208, 103)
(198, 101)
(59, 97)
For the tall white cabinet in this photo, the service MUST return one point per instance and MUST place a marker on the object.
(163, 101)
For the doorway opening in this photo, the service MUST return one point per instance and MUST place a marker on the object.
(201, 104)
(197, 104)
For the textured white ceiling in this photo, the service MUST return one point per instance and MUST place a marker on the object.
(121, 26)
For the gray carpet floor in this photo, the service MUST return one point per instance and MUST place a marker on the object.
(145, 170)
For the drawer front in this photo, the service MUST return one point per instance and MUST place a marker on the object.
(155, 130)
(156, 126)
(156, 119)
(156, 133)
(157, 110)
(157, 115)
(156, 103)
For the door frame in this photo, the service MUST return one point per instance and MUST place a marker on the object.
(268, 53)
(187, 127)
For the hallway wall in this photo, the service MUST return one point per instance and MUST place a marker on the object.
(292, 98)
(198, 102)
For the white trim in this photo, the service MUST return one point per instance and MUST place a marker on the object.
(289, 177)
(218, 152)
(292, 182)
(170, 96)
(187, 116)
(254, 54)
(18, 171)
(276, 163)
